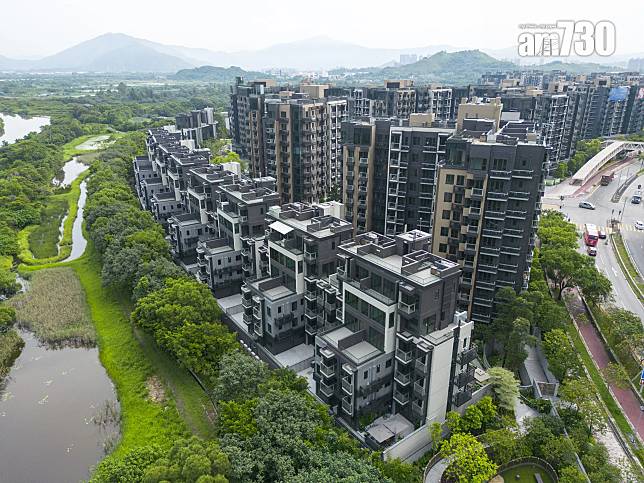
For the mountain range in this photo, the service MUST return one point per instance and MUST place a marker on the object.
(115, 52)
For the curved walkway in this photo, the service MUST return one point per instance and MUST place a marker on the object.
(435, 473)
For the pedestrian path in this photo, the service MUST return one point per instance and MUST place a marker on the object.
(627, 399)
(608, 229)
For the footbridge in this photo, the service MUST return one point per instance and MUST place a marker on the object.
(594, 164)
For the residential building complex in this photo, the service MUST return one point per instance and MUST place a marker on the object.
(488, 199)
(402, 347)
(297, 295)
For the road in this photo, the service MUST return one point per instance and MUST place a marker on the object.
(600, 196)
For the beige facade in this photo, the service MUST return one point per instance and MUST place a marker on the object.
(479, 110)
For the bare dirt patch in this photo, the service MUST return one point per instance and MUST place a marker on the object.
(156, 391)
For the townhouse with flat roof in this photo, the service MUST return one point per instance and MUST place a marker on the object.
(295, 299)
(399, 349)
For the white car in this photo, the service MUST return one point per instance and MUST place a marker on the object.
(586, 204)
(639, 225)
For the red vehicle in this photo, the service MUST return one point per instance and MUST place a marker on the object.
(591, 235)
(607, 178)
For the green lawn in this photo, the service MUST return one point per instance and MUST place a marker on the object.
(70, 149)
(526, 474)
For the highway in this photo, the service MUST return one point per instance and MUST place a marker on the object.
(600, 196)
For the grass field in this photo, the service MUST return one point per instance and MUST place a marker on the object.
(43, 241)
(47, 236)
(143, 421)
(55, 309)
(71, 148)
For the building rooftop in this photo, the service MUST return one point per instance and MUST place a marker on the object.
(358, 353)
(309, 219)
(405, 255)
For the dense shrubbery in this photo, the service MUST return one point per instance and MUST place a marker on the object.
(586, 149)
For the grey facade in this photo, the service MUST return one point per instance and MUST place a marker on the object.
(487, 207)
(400, 337)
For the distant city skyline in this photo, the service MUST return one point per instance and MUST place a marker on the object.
(40, 28)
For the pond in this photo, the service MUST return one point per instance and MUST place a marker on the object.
(17, 127)
(57, 412)
(79, 243)
(525, 474)
(71, 170)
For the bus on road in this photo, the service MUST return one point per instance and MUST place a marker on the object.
(591, 235)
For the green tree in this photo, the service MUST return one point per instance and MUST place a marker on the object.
(505, 388)
(436, 435)
(515, 351)
(580, 395)
(200, 347)
(8, 284)
(559, 452)
(571, 474)
(562, 356)
(564, 266)
(8, 240)
(468, 462)
(617, 375)
(505, 445)
(239, 377)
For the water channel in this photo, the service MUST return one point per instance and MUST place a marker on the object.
(58, 410)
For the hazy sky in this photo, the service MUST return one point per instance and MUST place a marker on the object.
(31, 28)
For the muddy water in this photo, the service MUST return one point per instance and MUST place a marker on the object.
(51, 405)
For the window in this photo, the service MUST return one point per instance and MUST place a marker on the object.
(388, 364)
(442, 247)
(445, 215)
(279, 310)
(365, 375)
(391, 320)
(449, 179)
(294, 306)
(268, 311)
(447, 197)
(460, 180)
(378, 369)
(444, 231)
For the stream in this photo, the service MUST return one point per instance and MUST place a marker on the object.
(58, 409)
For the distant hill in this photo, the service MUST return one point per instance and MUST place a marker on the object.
(217, 74)
(575, 68)
(115, 52)
(453, 68)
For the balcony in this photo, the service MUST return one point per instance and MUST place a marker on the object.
(519, 195)
(465, 378)
(248, 319)
(421, 366)
(326, 389)
(310, 328)
(404, 356)
(462, 397)
(347, 384)
(417, 408)
(310, 256)
(467, 356)
(419, 388)
(495, 215)
(402, 378)
(401, 398)
(338, 315)
(491, 251)
(497, 196)
(500, 174)
(347, 406)
(246, 303)
(407, 308)
(327, 370)
(523, 173)
(477, 193)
